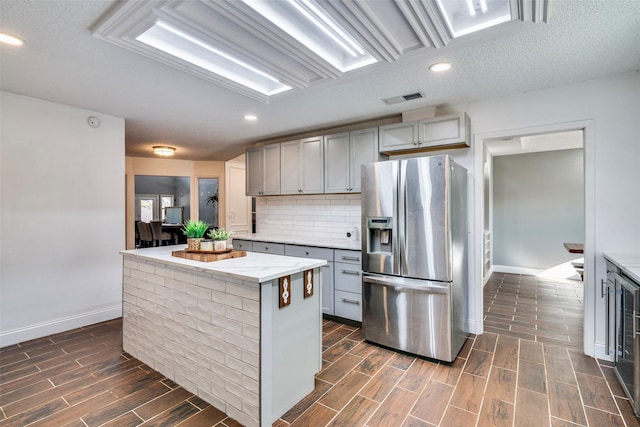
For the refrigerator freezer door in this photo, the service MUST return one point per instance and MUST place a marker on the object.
(380, 253)
(424, 212)
(409, 315)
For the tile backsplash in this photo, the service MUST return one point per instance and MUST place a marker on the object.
(320, 215)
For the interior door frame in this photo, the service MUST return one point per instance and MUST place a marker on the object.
(156, 205)
(195, 197)
(588, 128)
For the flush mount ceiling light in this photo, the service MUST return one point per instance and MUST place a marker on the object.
(164, 150)
(11, 40)
(439, 67)
(251, 117)
(468, 16)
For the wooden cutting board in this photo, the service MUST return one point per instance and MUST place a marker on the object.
(208, 257)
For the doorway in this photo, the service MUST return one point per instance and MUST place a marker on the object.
(486, 216)
(146, 207)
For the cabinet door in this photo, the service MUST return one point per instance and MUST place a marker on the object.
(312, 165)
(398, 137)
(290, 153)
(444, 130)
(255, 172)
(336, 167)
(271, 167)
(327, 289)
(363, 149)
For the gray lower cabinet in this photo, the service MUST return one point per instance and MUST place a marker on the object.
(242, 245)
(348, 284)
(327, 272)
(268, 248)
(341, 277)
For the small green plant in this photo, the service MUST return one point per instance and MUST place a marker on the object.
(220, 234)
(194, 229)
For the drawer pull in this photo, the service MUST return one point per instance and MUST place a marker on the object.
(356, 273)
(351, 301)
(351, 258)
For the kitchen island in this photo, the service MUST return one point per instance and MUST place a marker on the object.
(217, 329)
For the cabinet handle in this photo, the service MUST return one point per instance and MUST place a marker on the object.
(351, 301)
(350, 258)
(306, 253)
(356, 273)
(416, 142)
(602, 292)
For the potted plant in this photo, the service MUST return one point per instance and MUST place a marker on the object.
(194, 230)
(219, 237)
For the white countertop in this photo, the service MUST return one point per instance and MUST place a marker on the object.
(629, 263)
(255, 267)
(353, 245)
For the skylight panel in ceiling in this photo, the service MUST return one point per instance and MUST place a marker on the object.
(468, 16)
(171, 40)
(308, 23)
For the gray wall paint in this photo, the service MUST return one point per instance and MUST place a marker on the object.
(164, 185)
(538, 203)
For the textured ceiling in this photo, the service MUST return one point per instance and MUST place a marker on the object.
(63, 63)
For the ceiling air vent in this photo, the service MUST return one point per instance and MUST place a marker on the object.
(403, 98)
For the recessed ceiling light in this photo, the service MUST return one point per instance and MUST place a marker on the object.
(173, 41)
(12, 40)
(439, 67)
(251, 117)
(466, 17)
(311, 25)
(164, 150)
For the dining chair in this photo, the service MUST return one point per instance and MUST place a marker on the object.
(159, 236)
(146, 237)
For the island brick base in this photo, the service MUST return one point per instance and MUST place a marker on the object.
(199, 329)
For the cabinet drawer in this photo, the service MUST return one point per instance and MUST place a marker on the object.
(348, 305)
(242, 245)
(351, 257)
(348, 277)
(308, 252)
(268, 248)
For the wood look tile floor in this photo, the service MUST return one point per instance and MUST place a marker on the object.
(82, 378)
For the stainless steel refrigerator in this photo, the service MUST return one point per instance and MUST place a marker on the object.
(414, 255)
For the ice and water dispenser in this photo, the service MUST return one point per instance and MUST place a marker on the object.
(380, 233)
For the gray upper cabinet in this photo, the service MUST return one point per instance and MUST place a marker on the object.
(450, 131)
(263, 170)
(344, 154)
(302, 170)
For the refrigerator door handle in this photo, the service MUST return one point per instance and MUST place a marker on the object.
(398, 244)
(419, 285)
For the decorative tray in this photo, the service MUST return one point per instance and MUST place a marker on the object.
(191, 251)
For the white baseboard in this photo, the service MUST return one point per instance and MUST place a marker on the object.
(516, 270)
(27, 333)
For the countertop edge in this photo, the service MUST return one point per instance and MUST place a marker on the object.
(225, 268)
(350, 245)
(629, 263)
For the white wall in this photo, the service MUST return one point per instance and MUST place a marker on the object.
(609, 111)
(538, 204)
(62, 218)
